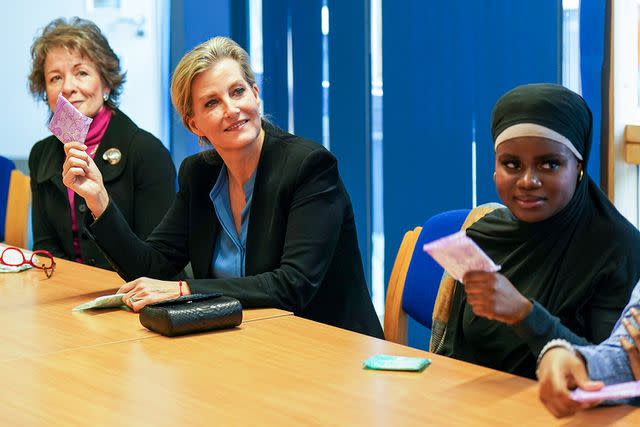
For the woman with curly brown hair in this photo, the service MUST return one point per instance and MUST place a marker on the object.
(73, 58)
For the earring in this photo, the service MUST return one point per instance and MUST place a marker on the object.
(105, 96)
(494, 177)
(44, 98)
(581, 174)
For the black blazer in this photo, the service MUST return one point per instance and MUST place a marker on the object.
(142, 184)
(302, 249)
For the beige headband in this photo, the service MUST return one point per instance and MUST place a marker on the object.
(532, 129)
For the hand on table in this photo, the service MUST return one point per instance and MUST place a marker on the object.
(492, 295)
(143, 291)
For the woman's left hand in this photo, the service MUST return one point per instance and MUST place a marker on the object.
(143, 291)
(632, 348)
(492, 295)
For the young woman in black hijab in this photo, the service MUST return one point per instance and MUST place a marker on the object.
(569, 258)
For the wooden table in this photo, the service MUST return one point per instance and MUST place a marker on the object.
(275, 369)
(36, 316)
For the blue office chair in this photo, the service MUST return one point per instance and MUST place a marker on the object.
(415, 277)
(418, 286)
(6, 166)
(423, 277)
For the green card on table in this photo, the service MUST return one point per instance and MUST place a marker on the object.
(385, 362)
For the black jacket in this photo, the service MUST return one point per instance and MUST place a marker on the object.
(302, 250)
(142, 184)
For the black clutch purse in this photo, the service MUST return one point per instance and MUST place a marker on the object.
(192, 313)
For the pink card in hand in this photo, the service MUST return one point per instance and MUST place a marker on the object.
(458, 254)
(616, 391)
(67, 123)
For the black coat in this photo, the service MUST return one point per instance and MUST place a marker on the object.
(142, 184)
(302, 250)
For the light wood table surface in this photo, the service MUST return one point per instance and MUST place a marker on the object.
(36, 315)
(278, 371)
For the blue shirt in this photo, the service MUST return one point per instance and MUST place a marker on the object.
(608, 361)
(230, 248)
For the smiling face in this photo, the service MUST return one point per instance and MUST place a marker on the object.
(76, 77)
(535, 177)
(226, 109)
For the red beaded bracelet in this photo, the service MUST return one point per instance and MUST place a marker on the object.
(180, 288)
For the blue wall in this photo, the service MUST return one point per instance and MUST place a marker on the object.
(592, 51)
(350, 112)
(274, 42)
(348, 95)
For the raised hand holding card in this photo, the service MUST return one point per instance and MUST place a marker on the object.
(458, 254)
(67, 123)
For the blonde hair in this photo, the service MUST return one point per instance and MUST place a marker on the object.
(84, 37)
(199, 59)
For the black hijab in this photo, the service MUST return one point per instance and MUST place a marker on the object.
(581, 264)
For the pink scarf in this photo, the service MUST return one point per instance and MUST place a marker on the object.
(96, 131)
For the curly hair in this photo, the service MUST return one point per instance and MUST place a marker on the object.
(84, 37)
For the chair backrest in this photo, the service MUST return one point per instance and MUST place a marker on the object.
(446, 288)
(6, 166)
(395, 319)
(414, 287)
(423, 277)
(17, 214)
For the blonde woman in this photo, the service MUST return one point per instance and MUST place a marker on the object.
(263, 217)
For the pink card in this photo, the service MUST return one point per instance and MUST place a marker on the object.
(67, 123)
(458, 254)
(616, 391)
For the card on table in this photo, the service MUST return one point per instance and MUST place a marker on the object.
(457, 254)
(615, 391)
(385, 362)
(107, 301)
(67, 123)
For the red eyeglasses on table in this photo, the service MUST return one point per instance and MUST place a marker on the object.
(40, 259)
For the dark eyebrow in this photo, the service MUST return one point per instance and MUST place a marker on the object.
(542, 157)
(508, 156)
(210, 94)
(206, 96)
(551, 156)
(75, 66)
